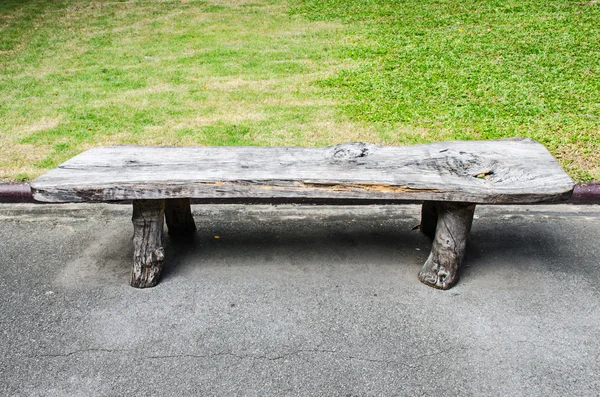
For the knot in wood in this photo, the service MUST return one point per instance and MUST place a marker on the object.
(158, 255)
(351, 150)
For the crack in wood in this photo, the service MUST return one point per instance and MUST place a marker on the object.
(323, 186)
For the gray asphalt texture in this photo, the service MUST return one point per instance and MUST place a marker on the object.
(299, 301)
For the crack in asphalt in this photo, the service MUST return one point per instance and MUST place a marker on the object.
(80, 351)
(405, 363)
(243, 356)
(182, 355)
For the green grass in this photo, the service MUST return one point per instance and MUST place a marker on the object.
(77, 74)
(473, 70)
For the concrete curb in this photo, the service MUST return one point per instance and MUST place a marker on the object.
(16, 193)
(584, 193)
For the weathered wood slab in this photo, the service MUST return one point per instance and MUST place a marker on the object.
(506, 171)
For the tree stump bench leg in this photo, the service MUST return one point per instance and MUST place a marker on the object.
(178, 214)
(454, 220)
(148, 252)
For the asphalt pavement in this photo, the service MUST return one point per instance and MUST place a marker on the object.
(299, 301)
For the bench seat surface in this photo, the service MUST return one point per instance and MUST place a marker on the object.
(504, 171)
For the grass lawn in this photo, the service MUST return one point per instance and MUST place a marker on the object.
(77, 74)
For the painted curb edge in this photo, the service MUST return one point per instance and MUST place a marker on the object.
(584, 193)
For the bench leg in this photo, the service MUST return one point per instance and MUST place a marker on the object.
(178, 214)
(148, 252)
(429, 219)
(454, 222)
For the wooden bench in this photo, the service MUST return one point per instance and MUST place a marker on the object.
(449, 178)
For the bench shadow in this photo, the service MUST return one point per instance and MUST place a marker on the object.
(311, 244)
(496, 248)
(512, 246)
(299, 243)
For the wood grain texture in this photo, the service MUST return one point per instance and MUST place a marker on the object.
(148, 252)
(506, 171)
(442, 268)
(178, 215)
